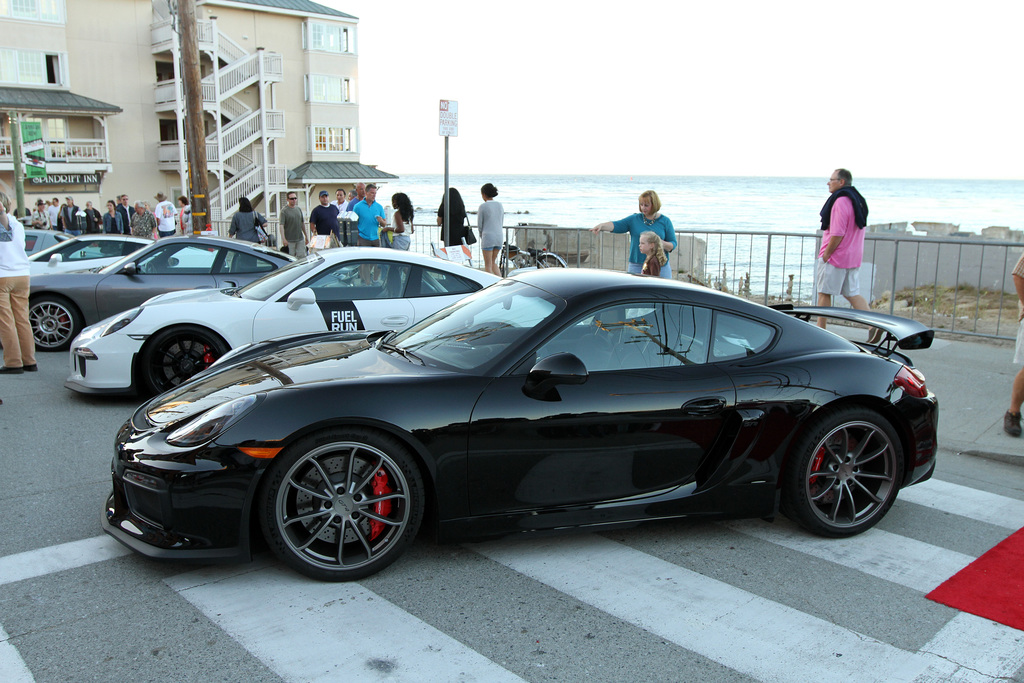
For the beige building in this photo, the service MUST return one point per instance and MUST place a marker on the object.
(280, 99)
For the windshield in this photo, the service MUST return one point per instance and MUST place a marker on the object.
(472, 333)
(271, 283)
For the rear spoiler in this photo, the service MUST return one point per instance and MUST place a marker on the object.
(895, 331)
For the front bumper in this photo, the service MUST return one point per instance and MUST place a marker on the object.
(172, 504)
(102, 365)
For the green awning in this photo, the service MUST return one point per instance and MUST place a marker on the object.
(33, 100)
(336, 172)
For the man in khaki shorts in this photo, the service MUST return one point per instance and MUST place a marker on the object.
(1011, 421)
(842, 244)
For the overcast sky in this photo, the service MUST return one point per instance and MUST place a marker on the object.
(785, 88)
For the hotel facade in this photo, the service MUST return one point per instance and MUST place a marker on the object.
(280, 84)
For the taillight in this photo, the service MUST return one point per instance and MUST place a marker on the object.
(911, 381)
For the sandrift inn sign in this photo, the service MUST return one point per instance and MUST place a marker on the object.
(68, 179)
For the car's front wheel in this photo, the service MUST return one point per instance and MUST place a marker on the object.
(174, 355)
(341, 504)
(843, 473)
(55, 322)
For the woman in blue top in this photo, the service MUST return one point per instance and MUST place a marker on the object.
(649, 218)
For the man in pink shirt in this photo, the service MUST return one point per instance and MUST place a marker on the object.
(842, 243)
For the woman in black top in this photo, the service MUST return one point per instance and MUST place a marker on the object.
(457, 229)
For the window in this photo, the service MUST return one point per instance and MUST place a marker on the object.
(328, 37)
(239, 262)
(430, 282)
(332, 139)
(178, 259)
(362, 280)
(737, 337)
(29, 67)
(635, 336)
(51, 11)
(328, 89)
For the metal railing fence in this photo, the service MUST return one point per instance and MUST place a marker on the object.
(958, 286)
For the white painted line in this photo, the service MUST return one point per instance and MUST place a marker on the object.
(12, 666)
(57, 558)
(313, 631)
(737, 629)
(964, 501)
(888, 556)
(989, 651)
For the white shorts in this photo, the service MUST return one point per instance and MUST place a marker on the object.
(1018, 355)
(831, 280)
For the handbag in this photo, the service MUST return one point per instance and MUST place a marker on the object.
(470, 237)
(261, 234)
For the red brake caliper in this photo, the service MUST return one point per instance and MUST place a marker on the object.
(383, 508)
(208, 356)
(819, 458)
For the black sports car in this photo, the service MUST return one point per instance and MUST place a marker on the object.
(552, 400)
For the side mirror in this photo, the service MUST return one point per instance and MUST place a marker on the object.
(548, 373)
(55, 261)
(130, 268)
(300, 298)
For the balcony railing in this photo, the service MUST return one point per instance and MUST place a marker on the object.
(71, 150)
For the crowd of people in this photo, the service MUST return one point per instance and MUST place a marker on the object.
(121, 217)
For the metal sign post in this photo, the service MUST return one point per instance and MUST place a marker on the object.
(448, 127)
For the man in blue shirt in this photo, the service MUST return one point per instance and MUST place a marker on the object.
(371, 218)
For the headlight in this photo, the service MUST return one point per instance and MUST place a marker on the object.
(121, 321)
(212, 423)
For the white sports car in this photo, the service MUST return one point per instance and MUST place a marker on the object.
(173, 336)
(84, 252)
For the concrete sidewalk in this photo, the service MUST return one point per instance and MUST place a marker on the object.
(972, 381)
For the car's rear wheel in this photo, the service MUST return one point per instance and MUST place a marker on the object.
(843, 473)
(55, 322)
(174, 355)
(342, 504)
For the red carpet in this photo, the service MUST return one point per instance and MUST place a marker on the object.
(992, 586)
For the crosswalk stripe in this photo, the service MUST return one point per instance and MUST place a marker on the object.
(12, 666)
(964, 501)
(56, 558)
(313, 631)
(716, 620)
(988, 650)
(906, 561)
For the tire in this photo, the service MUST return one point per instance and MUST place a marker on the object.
(55, 322)
(843, 473)
(550, 260)
(319, 511)
(176, 354)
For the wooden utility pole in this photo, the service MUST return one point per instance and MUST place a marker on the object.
(19, 170)
(195, 131)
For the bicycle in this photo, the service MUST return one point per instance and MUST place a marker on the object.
(527, 258)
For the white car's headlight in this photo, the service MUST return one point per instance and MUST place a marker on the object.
(212, 423)
(120, 322)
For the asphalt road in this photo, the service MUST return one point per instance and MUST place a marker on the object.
(680, 601)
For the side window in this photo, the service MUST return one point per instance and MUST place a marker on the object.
(127, 247)
(178, 259)
(432, 282)
(360, 280)
(737, 337)
(30, 243)
(635, 336)
(241, 262)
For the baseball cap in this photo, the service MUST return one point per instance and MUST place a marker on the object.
(324, 192)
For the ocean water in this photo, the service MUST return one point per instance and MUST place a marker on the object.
(722, 203)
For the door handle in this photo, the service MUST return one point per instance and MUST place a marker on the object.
(230, 283)
(395, 321)
(704, 406)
